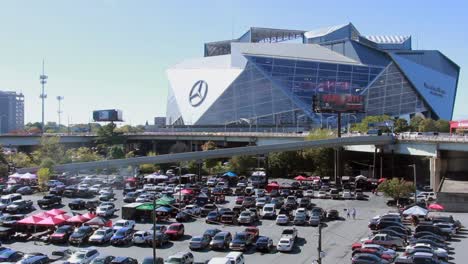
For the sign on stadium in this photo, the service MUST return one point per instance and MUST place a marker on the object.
(338, 103)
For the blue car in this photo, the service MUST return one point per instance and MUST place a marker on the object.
(10, 255)
(122, 237)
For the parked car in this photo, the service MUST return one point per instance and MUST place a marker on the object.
(103, 259)
(245, 217)
(19, 206)
(101, 236)
(83, 256)
(221, 241)
(213, 217)
(49, 201)
(285, 245)
(241, 241)
(80, 235)
(367, 258)
(124, 260)
(211, 232)
(25, 190)
(264, 244)
(282, 219)
(180, 258)
(123, 236)
(105, 210)
(62, 234)
(175, 231)
(77, 204)
(207, 208)
(199, 242)
(269, 211)
(10, 255)
(142, 237)
(130, 224)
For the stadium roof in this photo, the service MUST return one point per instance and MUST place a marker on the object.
(294, 50)
(388, 39)
(323, 31)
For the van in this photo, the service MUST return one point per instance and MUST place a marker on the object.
(236, 257)
(6, 200)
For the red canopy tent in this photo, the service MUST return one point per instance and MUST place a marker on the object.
(55, 212)
(62, 216)
(436, 207)
(313, 178)
(89, 216)
(42, 215)
(272, 186)
(186, 191)
(30, 220)
(382, 180)
(77, 219)
(131, 180)
(51, 221)
(300, 178)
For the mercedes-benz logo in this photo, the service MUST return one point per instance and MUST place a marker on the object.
(198, 93)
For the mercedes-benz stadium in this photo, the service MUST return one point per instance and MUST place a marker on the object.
(270, 76)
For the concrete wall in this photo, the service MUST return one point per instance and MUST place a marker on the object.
(453, 202)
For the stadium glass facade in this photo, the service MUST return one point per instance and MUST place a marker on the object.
(255, 79)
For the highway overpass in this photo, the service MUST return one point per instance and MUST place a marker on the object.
(221, 153)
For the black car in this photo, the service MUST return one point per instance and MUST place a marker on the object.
(264, 244)
(80, 235)
(77, 204)
(433, 229)
(183, 216)
(207, 208)
(333, 214)
(124, 260)
(8, 220)
(130, 197)
(150, 260)
(92, 204)
(49, 200)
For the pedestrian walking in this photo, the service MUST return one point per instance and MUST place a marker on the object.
(354, 213)
(348, 214)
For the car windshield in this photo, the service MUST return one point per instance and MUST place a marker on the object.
(4, 201)
(99, 261)
(268, 209)
(220, 237)
(196, 239)
(82, 230)
(241, 237)
(61, 230)
(119, 224)
(121, 232)
(100, 232)
(174, 227)
(174, 260)
(245, 214)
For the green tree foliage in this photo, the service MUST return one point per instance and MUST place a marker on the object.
(130, 129)
(82, 154)
(427, 125)
(49, 148)
(442, 126)
(43, 176)
(116, 152)
(318, 134)
(396, 188)
(47, 163)
(363, 126)
(108, 136)
(242, 164)
(401, 125)
(130, 154)
(210, 163)
(148, 168)
(414, 123)
(3, 163)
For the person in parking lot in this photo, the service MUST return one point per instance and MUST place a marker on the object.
(353, 212)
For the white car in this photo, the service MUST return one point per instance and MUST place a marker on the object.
(83, 256)
(105, 211)
(211, 182)
(95, 188)
(83, 187)
(245, 217)
(261, 201)
(221, 184)
(300, 211)
(420, 247)
(322, 194)
(149, 187)
(346, 194)
(142, 237)
(241, 185)
(285, 245)
(309, 193)
(193, 209)
(123, 223)
(101, 236)
(282, 219)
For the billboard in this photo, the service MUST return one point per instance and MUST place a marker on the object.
(111, 115)
(338, 103)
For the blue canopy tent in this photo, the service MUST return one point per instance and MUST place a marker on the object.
(164, 209)
(230, 174)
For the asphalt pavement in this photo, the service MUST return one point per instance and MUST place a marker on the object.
(337, 236)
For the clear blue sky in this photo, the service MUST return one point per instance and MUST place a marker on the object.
(113, 54)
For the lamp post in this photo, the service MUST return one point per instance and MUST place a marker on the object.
(154, 230)
(414, 178)
(328, 126)
(1, 122)
(297, 122)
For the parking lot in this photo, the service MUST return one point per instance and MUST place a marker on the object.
(336, 240)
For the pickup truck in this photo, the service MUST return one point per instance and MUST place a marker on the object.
(19, 206)
(383, 240)
(289, 233)
(49, 200)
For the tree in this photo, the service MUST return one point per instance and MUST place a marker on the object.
(242, 164)
(442, 126)
(318, 134)
(116, 152)
(108, 136)
(130, 129)
(414, 123)
(147, 168)
(363, 126)
(82, 154)
(51, 148)
(209, 163)
(3, 163)
(396, 188)
(48, 163)
(427, 125)
(130, 154)
(20, 160)
(43, 176)
(401, 125)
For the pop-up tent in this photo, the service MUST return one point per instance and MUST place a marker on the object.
(51, 221)
(415, 210)
(230, 174)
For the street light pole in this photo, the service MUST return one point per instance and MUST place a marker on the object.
(154, 230)
(414, 179)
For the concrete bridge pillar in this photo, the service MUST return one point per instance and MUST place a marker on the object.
(437, 168)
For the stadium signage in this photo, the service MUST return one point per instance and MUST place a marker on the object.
(198, 93)
(434, 90)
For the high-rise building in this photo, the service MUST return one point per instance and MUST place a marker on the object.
(11, 111)
(270, 77)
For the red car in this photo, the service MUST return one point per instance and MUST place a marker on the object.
(175, 231)
(253, 231)
(373, 251)
(239, 199)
